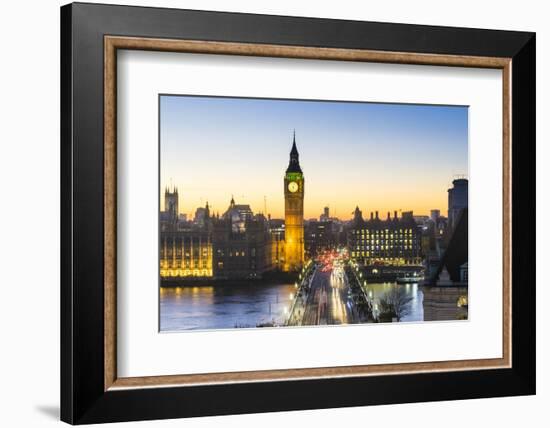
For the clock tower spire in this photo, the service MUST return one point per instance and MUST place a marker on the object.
(294, 163)
(294, 212)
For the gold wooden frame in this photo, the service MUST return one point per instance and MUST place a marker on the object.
(112, 43)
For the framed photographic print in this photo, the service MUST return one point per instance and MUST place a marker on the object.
(264, 213)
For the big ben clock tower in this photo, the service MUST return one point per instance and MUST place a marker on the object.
(294, 213)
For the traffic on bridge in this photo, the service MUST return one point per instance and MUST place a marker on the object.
(326, 296)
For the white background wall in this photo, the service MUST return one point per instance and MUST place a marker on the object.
(29, 214)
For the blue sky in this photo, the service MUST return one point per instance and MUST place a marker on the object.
(378, 156)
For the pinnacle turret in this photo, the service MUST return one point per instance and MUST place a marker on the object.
(294, 163)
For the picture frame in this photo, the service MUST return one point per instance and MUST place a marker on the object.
(91, 390)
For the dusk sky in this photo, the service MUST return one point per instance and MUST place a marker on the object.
(381, 157)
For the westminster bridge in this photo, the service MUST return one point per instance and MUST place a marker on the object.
(329, 293)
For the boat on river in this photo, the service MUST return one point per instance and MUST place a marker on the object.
(408, 279)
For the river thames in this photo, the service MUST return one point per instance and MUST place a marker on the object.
(249, 305)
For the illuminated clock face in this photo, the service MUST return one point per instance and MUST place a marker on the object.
(292, 186)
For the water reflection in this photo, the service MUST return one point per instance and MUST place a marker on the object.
(377, 290)
(224, 306)
(248, 305)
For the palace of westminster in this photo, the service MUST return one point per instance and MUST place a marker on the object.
(242, 245)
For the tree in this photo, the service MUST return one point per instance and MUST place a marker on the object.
(394, 304)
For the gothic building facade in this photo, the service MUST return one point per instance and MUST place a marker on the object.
(294, 212)
(238, 244)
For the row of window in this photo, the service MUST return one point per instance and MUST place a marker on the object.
(178, 243)
(377, 253)
(186, 263)
(236, 253)
(232, 253)
(382, 241)
(170, 253)
(395, 260)
(385, 248)
(382, 232)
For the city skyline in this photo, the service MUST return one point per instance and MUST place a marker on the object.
(381, 157)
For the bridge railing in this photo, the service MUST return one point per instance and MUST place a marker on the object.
(363, 303)
(298, 306)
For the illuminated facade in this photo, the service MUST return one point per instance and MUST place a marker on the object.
(294, 213)
(242, 244)
(237, 245)
(186, 254)
(394, 241)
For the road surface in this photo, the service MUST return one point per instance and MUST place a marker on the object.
(327, 302)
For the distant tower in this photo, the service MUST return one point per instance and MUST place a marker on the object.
(458, 200)
(294, 212)
(171, 204)
(326, 214)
